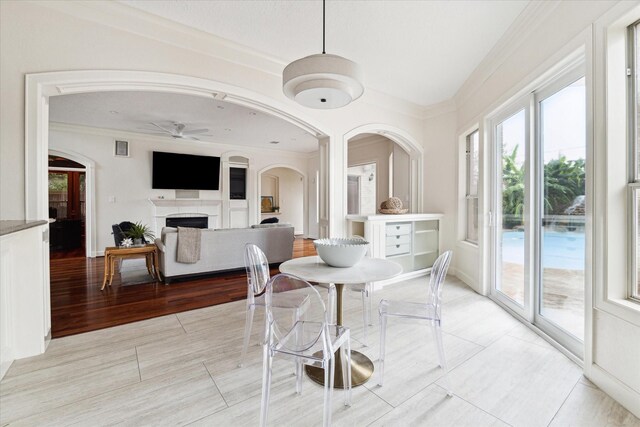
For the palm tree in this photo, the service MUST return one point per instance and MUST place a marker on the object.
(564, 180)
(512, 189)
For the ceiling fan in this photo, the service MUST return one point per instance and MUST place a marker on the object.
(178, 131)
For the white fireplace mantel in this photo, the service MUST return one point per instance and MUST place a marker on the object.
(184, 202)
(163, 208)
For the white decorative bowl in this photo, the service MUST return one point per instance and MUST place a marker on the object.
(341, 252)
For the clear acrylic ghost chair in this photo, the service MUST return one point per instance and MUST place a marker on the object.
(257, 268)
(366, 294)
(431, 311)
(308, 340)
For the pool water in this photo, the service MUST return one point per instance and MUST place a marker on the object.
(560, 250)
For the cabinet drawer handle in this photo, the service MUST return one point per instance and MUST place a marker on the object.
(397, 227)
(397, 246)
(397, 237)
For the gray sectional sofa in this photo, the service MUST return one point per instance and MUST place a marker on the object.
(223, 249)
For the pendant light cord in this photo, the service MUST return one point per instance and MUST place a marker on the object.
(323, 52)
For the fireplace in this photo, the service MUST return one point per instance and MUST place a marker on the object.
(188, 221)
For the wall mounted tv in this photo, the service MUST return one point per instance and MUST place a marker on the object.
(185, 171)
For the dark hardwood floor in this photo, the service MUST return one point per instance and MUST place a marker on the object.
(78, 305)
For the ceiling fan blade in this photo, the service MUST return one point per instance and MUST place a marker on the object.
(191, 137)
(159, 132)
(192, 132)
(161, 128)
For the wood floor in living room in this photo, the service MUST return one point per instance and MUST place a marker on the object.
(78, 305)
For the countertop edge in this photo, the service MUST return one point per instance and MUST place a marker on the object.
(13, 226)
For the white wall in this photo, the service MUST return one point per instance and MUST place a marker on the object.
(440, 175)
(127, 180)
(402, 176)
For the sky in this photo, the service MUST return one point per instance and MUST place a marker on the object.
(563, 125)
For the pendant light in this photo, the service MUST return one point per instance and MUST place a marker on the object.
(322, 81)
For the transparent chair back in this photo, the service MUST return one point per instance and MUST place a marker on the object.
(438, 275)
(429, 310)
(291, 334)
(366, 295)
(305, 337)
(257, 267)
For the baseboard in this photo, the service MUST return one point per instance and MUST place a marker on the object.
(468, 280)
(618, 391)
(4, 367)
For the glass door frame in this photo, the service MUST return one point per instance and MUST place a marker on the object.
(573, 344)
(526, 310)
(533, 206)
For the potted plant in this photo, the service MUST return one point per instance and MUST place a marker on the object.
(139, 233)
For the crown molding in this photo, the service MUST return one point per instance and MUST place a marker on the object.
(129, 19)
(435, 110)
(223, 146)
(534, 14)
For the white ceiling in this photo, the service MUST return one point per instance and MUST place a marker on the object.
(134, 111)
(421, 51)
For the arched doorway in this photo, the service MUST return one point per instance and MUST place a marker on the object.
(283, 194)
(400, 149)
(40, 87)
(89, 198)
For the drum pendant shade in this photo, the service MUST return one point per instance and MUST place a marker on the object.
(322, 81)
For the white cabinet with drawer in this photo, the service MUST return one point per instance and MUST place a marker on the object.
(411, 240)
(398, 228)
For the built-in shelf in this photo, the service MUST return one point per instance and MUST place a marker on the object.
(411, 240)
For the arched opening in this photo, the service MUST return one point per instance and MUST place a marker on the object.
(381, 162)
(83, 190)
(283, 197)
(41, 87)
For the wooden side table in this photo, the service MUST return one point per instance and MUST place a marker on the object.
(111, 254)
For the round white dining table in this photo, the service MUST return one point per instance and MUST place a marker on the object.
(313, 269)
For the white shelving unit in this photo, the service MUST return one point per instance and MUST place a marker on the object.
(411, 240)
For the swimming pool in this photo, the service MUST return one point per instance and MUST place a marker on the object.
(560, 250)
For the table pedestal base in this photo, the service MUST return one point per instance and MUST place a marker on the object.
(361, 370)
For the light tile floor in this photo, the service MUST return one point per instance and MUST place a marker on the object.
(182, 370)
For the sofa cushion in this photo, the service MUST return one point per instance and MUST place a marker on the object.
(282, 224)
(223, 249)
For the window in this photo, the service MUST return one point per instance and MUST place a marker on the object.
(634, 156)
(471, 191)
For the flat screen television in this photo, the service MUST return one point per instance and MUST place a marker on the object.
(174, 171)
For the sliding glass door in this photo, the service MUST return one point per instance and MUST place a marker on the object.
(539, 200)
(511, 134)
(561, 207)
